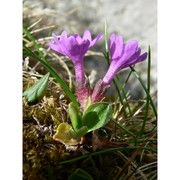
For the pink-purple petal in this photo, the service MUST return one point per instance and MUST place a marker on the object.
(78, 38)
(56, 40)
(63, 36)
(87, 35)
(128, 51)
(119, 44)
(112, 39)
(131, 60)
(99, 36)
(118, 49)
(142, 57)
(70, 47)
(74, 50)
(55, 47)
(112, 49)
(137, 60)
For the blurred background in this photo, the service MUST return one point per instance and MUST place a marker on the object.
(133, 19)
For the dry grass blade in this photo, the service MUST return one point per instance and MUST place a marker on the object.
(41, 29)
(133, 166)
(34, 24)
(148, 167)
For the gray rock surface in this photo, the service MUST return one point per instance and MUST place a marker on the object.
(133, 19)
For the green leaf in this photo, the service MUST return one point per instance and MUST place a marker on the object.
(148, 90)
(80, 175)
(79, 133)
(97, 115)
(145, 89)
(75, 116)
(106, 40)
(36, 91)
(31, 37)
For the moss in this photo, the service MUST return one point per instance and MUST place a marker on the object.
(40, 152)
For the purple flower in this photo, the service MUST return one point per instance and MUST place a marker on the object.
(75, 47)
(122, 55)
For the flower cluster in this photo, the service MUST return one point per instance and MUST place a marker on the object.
(122, 55)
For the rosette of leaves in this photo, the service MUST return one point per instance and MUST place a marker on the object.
(94, 117)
